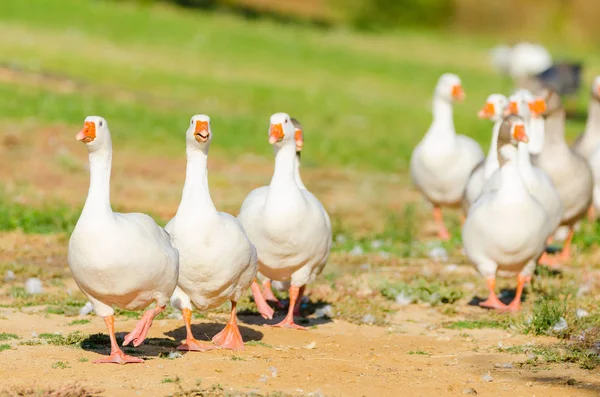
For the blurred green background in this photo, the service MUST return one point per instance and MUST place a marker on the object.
(359, 74)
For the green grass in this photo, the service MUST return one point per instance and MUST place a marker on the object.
(364, 99)
(73, 339)
(477, 324)
(79, 322)
(45, 219)
(4, 346)
(419, 353)
(60, 365)
(6, 336)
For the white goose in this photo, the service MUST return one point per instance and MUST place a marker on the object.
(506, 229)
(569, 172)
(538, 182)
(493, 110)
(288, 225)
(587, 143)
(266, 282)
(217, 260)
(123, 260)
(443, 161)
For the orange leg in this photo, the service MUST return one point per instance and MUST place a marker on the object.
(299, 301)
(143, 326)
(263, 307)
(492, 302)
(288, 321)
(591, 214)
(269, 295)
(230, 337)
(191, 344)
(564, 256)
(515, 305)
(439, 221)
(116, 354)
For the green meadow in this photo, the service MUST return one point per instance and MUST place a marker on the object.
(364, 98)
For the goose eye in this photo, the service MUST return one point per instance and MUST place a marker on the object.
(101, 123)
(286, 120)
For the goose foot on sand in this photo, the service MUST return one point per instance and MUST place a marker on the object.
(191, 344)
(288, 321)
(230, 337)
(116, 354)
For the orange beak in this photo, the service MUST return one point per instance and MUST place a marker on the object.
(275, 133)
(487, 112)
(87, 133)
(299, 140)
(201, 132)
(598, 90)
(537, 107)
(512, 108)
(519, 133)
(458, 93)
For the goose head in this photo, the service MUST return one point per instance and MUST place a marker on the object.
(517, 103)
(199, 134)
(94, 134)
(281, 130)
(512, 132)
(298, 135)
(449, 88)
(552, 100)
(596, 88)
(494, 107)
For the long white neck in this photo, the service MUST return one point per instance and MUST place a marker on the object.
(195, 198)
(592, 125)
(512, 187)
(524, 161)
(443, 122)
(491, 161)
(283, 185)
(297, 172)
(537, 132)
(98, 199)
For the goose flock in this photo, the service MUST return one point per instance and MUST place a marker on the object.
(202, 258)
(532, 188)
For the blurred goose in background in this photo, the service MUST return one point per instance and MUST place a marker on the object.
(493, 110)
(588, 142)
(506, 229)
(531, 67)
(217, 260)
(281, 286)
(442, 162)
(123, 260)
(569, 172)
(288, 225)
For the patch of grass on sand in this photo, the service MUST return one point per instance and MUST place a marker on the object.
(4, 347)
(80, 322)
(478, 324)
(60, 365)
(432, 291)
(74, 339)
(587, 357)
(419, 353)
(7, 336)
(258, 343)
(546, 314)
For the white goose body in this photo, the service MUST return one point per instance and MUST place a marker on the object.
(587, 143)
(288, 225)
(506, 229)
(123, 260)
(217, 260)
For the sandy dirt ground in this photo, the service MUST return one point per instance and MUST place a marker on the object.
(412, 355)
